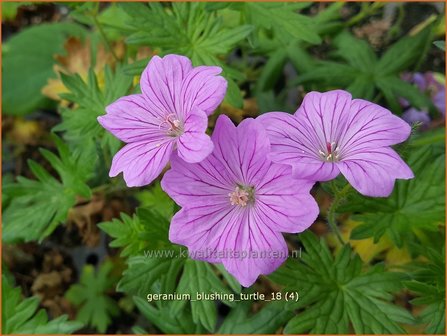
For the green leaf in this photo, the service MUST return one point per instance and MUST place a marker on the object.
(362, 74)
(232, 282)
(440, 44)
(80, 125)
(188, 29)
(144, 272)
(158, 273)
(168, 323)
(282, 18)
(146, 229)
(234, 94)
(37, 207)
(358, 53)
(330, 73)
(271, 71)
(402, 54)
(156, 199)
(199, 277)
(266, 321)
(126, 234)
(396, 87)
(136, 68)
(416, 204)
(361, 87)
(28, 59)
(436, 137)
(335, 294)
(95, 307)
(21, 316)
(9, 9)
(429, 284)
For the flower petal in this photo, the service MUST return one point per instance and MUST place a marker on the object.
(286, 137)
(315, 170)
(291, 142)
(242, 150)
(203, 229)
(285, 204)
(161, 83)
(371, 126)
(130, 119)
(141, 162)
(236, 238)
(323, 116)
(203, 88)
(194, 144)
(204, 183)
(256, 248)
(373, 172)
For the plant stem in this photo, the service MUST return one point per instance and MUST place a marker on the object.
(109, 188)
(104, 37)
(331, 213)
(364, 12)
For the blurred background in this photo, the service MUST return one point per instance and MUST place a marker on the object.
(64, 62)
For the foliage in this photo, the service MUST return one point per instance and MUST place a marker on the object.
(283, 19)
(37, 207)
(188, 30)
(162, 317)
(357, 68)
(96, 308)
(159, 265)
(414, 205)
(80, 126)
(148, 228)
(27, 72)
(23, 316)
(429, 283)
(271, 55)
(266, 321)
(335, 293)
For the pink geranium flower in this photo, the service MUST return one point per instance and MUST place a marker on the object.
(170, 115)
(331, 133)
(236, 203)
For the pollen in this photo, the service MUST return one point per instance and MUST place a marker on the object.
(331, 153)
(174, 126)
(239, 197)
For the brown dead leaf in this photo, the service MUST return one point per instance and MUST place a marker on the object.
(113, 209)
(58, 306)
(24, 132)
(374, 31)
(250, 109)
(51, 281)
(82, 216)
(47, 285)
(78, 61)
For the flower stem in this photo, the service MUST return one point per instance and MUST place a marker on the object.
(104, 37)
(109, 188)
(332, 214)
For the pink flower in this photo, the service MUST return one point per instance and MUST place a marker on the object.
(236, 203)
(170, 115)
(331, 133)
(412, 116)
(432, 86)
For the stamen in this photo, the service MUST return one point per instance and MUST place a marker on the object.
(241, 196)
(332, 153)
(174, 125)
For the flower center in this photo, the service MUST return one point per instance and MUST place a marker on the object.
(175, 127)
(241, 196)
(331, 153)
